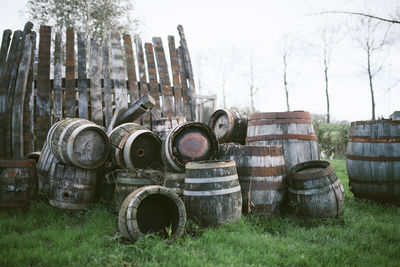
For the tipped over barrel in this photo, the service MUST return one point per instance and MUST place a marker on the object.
(229, 126)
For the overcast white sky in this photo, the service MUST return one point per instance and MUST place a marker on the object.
(235, 31)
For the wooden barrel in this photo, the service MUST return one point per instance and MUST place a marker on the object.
(134, 146)
(316, 189)
(163, 126)
(229, 126)
(18, 182)
(105, 185)
(262, 175)
(175, 182)
(212, 192)
(71, 187)
(190, 141)
(292, 130)
(152, 209)
(79, 142)
(46, 162)
(126, 182)
(373, 160)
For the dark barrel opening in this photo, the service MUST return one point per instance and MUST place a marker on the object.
(146, 151)
(157, 213)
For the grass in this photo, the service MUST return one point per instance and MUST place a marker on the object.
(367, 234)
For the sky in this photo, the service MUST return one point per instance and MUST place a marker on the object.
(225, 36)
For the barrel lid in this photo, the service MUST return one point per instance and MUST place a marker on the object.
(311, 170)
(372, 122)
(299, 114)
(221, 122)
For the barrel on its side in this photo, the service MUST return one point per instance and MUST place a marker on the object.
(190, 141)
(229, 126)
(175, 182)
(163, 126)
(292, 130)
(373, 160)
(316, 189)
(262, 175)
(18, 182)
(212, 192)
(79, 142)
(46, 162)
(72, 188)
(152, 209)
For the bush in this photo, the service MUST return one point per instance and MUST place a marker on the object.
(332, 137)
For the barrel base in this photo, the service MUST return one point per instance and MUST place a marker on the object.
(69, 206)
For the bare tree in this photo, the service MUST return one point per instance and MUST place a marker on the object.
(287, 53)
(251, 83)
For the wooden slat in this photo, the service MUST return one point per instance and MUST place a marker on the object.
(5, 43)
(118, 71)
(57, 106)
(133, 88)
(189, 70)
(144, 87)
(175, 77)
(165, 84)
(107, 87)
(43, 87)
(4, 82)
(29, 115)
(18, 100)
(95, 83)
(83, 100)
(185, 93)
(70, 95)
(151, 68)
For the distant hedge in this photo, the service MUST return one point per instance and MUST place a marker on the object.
(332, 137)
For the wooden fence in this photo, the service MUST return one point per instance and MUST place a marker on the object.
(115, 76)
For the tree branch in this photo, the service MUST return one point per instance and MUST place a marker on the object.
(393, 21)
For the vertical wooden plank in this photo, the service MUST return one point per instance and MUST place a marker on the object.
(57, 87)
(185, 89)
(70, 95)
(83, 101)
(165, 84)
(118, 72)
(43, 87)
(133, 88)
(5, 43)
(144, 87)
(175, 77)
(107, 87)
(189, 70)
(29, 114)
(18, 100)
(154, 88)
(95, 83)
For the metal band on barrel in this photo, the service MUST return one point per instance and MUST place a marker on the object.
(210, 180)
(211, 193)
(366, 158)
(281, 136)
(381, 139)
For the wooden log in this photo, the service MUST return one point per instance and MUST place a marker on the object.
(168, 108)
(5, 44)
(43, 120)
(185, 93)
(151, 68)
(229, 126)
(118, 71)
(83, 100)
(212, 192)
(70, 95)
(143, 86)
(18, 100)
(189, 71)
(143, 105)
(29, 105)
(108, 109)
(57, 85)
(179, 112)
(95, 84)
(133, 89)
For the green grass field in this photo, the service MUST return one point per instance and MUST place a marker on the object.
(367, 234)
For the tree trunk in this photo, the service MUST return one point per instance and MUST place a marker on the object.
(252, 98)
(328, 116)
(285, 82)
(370, 77)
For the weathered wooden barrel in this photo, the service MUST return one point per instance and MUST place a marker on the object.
(79, 142)
(229, 126)
(163, 126)
(71, 187)
(105, 185)
(293, 130)
(134, 146)
(152, 209)
(262, 175)
(33, 155)
(46, 162)
(212, 192)
(175, 182)
(190, 141)
(126, 182)
(373, 160)
(316, 189)
(18, 182)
